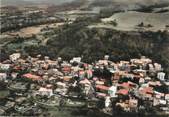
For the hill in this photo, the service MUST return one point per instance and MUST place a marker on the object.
(93, 44)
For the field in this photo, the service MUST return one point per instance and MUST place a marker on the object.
(129, 21)
(29, 31)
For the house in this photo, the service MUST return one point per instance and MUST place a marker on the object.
(106, 57)
(124, 106)
(66, 69)
(86, 86)
(67, 78)
(133, 103)
(145, 60)
(15, 56)
(124, 66)
(89, 73)
(100, 82)
(5, 66)
(167, 97)
(123, 92)
(159, 96)
(156, 102)
(60, 85)
(32, 77)
(112, 91)
(146, 92)
(76, 59)
(61, 88)
(19, 87)
(101, 95)
(85, 81)
(82, 74)
(116, 76)
(102, 62)
(138, 71)
(162, 102)
(161, 76)
(136, 61)
(157, 67)
(141, 81)
(45, 92)
(151, 67)
(127, 85)
(102, 88)
(14, 75)
(154, 83)
(3, 76)
(107, 101)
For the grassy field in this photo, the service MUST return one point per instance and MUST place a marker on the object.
(129, 21)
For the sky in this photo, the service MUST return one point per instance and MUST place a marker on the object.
(58, 1)
(15, 2)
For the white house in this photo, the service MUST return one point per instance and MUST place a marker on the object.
(151, 67)
(167, 97)
(107, 101)
(61, 88)
(163, 102)
(3, 76)
(14, 75)
(60, 85)
(112, 91)
(157, 67)
(44, 91)
(15, 56)
(106, 57)
(76, 59)
(161, 76)
(4, 66)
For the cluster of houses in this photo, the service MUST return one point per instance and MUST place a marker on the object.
(134, 86)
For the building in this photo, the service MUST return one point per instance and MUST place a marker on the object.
(112, 91)
(14, 56)
(4, 66)
(3, 76)
(32, 77)
(45, 92)
(161, 76)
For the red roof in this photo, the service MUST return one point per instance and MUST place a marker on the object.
(127, 84)
(81, 72)
(123, 91)
(101, 94)
(31, 76)
(102, 87)
(85, 65)
(147, 90)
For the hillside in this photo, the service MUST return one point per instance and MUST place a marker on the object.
(93, 44)
(129, 21)
(77, 39)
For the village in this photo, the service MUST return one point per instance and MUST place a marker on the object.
(30, 85)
